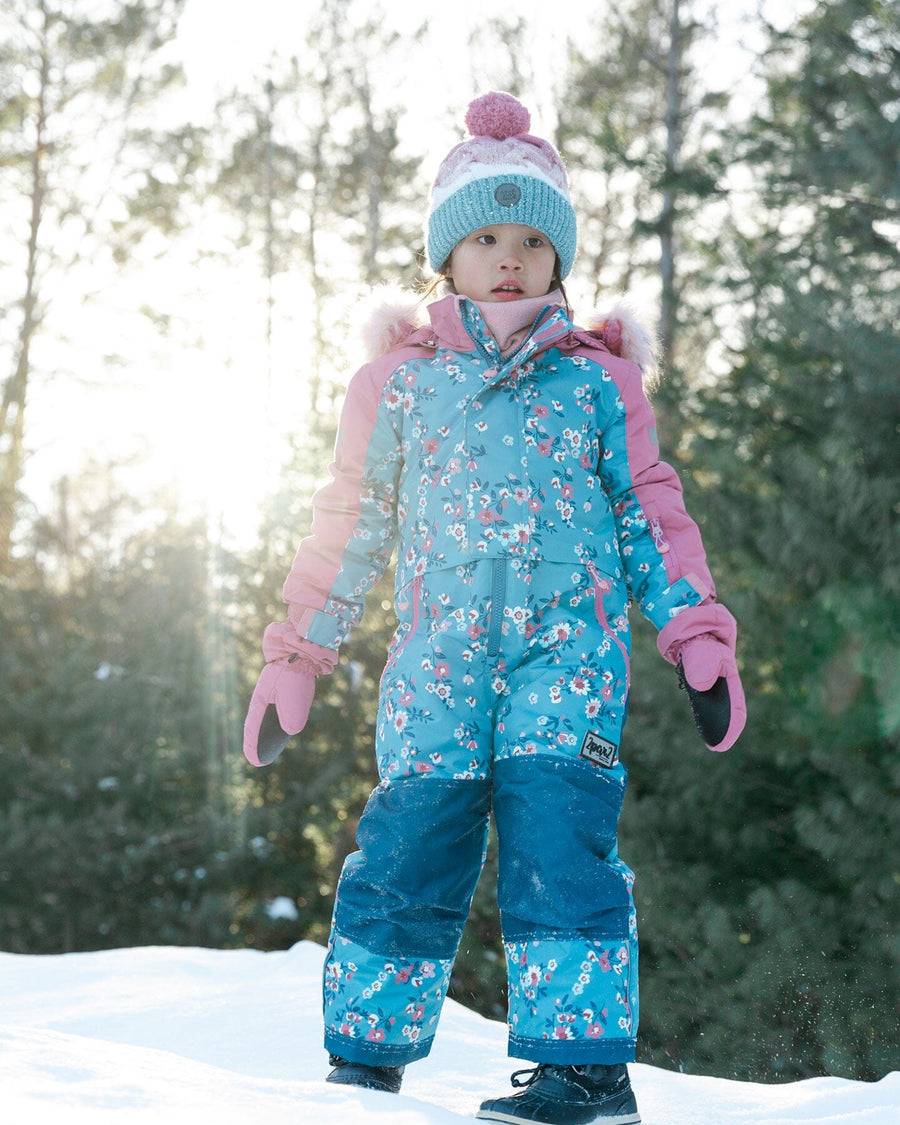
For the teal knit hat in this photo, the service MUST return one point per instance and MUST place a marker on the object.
(502, 175)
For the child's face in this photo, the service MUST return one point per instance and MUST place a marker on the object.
(504, 262)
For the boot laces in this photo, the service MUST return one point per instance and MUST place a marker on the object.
(566, 1074)
(526, 1078)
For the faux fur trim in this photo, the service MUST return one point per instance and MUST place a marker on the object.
(389, 317)
(625, 334)
(392, 314)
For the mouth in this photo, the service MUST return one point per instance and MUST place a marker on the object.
(509, 290)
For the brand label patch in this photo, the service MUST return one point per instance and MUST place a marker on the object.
(508, 195)
(599, 750)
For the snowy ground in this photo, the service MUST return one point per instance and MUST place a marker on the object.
(169, 1035)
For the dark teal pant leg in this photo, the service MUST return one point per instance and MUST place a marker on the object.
(402, 903)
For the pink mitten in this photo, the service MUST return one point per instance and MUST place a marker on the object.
(279, 706)
(700, 642)
(709, 675)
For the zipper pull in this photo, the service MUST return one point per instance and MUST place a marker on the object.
(659, 540)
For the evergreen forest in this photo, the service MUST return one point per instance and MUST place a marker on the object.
(220, 254)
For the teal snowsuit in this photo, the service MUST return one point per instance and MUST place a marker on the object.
(528, 506)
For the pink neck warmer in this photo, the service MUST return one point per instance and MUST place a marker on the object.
(508, 321)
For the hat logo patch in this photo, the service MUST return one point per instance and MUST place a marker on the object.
(508, 195)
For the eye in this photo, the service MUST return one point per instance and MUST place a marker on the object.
(486, 239)
(534, 242)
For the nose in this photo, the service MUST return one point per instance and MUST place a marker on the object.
(510, 261)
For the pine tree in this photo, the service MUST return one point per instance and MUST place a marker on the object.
(799, 448)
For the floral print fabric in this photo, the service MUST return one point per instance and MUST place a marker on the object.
(381, 1007)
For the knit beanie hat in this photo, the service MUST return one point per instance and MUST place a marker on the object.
(501, 175)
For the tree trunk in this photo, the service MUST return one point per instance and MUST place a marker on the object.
(668, 314)
(15, 392)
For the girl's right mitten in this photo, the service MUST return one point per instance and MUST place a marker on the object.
(279, 706)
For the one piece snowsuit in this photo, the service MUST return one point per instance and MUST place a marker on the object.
(528, 506)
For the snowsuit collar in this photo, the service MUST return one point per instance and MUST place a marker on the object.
(459, 324)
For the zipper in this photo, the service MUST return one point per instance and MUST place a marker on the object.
(416, 595)
(659, 540)
(602, 586)
(498, 598)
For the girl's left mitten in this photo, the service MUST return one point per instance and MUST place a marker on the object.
(700, 642)
(708, 673)
(279, 708)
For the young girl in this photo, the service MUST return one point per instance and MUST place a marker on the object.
(510, 457)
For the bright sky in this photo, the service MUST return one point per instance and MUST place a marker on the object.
(198, 413)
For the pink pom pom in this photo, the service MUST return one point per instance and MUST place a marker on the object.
(498, 116)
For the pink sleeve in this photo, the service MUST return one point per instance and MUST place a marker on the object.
(661, 547)
(354, 517)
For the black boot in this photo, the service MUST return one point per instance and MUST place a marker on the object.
(567, 1095)
(384, 1078)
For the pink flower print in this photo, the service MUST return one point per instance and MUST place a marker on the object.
(416, 1012)
(423, 767)
(533, 976)
(521, 495)
(594, 1030)
(348, 1030)
(563, 1032)
(567, 491)
(442, 670)
(545, 447)
(604, 961)
(579, 685)
(432, 445)
(403, 975)
(592, 708)
(400, 720)
(376, 1035)
(541, 411)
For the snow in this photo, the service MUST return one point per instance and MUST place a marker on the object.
(163, 1034)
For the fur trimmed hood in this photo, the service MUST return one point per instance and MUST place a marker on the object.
(392, 315)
